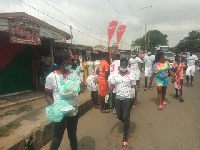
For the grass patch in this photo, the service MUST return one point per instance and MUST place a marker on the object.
(7, 130)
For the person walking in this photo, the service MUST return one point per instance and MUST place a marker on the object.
(114, 68)
(191, 59)
(85, 72)
(103, 72)
(135, 70)
(91, 86)
(178, 69)
(125, 90)
(148, 63)
(161, 70)
(62, 62)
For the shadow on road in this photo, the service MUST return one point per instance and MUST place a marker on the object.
(120, 125)
(86, 143)
(155, 100)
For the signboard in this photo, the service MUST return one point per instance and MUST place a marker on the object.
(113, 50)
(24, 31)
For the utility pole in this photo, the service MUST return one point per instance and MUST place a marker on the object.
(148, 41)
(71, 33)
(145, 38)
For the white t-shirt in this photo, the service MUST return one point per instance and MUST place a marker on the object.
(92, 78)
(191, 60)
(148, 60)
(134, 63)
(53, 84)
(123, 84)
(114, 67)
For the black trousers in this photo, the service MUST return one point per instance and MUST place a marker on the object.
(123, 109)
(58, 130)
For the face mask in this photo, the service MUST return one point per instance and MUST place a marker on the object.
(123, 69)
(133, 56)
(149, 53)
(68, 67)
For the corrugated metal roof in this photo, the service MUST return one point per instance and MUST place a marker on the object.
(23, 15)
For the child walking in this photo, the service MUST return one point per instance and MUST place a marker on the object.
(178, 69)
(161, 69)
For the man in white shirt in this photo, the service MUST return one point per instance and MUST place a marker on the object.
(191, 59)
(114, 69)
(125, 88)
(135, 65)
(148, 63)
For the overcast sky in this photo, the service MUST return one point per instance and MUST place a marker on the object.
(176, 18)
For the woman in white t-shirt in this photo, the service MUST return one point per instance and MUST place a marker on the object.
(125, 85)
(62, 62)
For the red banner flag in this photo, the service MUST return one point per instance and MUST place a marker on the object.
(111, 30)
(120, 32)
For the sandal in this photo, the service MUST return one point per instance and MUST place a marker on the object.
(125, 144)
(105, 111)
(160, 107)
(163, 103)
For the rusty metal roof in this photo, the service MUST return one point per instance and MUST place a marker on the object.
(24, 15)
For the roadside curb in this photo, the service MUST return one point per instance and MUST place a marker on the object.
(3, 106)
(42, 135)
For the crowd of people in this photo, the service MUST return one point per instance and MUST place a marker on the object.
(118, 81)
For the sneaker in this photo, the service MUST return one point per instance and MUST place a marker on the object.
(163, 103)
(114, 110)
(145, 89)
(181, 100)
(160, 107)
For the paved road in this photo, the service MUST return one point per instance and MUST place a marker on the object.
(176, 127)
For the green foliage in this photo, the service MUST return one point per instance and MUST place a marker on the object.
(153, 38)
(7, 130)
(189, 43)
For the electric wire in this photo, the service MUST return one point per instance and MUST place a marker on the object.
(60, 21)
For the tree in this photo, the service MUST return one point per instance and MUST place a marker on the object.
(189, 43)
(154, 37)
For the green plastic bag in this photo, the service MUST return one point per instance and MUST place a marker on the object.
(54, 113)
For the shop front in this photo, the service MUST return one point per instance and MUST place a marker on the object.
(26, 51)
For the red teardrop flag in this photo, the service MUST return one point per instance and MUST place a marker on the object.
(120, 32)
(111, 30)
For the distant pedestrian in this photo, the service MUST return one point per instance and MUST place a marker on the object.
(62, 62)
(85, 72)
(148, 63)
(178, 69)
(91, 86)
(161, 69)
(103, 72)
(191, 59)
(125, 91)
(80, 73)
(114, 69)
(134, 63)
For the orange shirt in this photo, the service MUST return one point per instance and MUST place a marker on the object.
(103, 67)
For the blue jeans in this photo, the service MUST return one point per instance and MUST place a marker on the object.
(123, 109)
(58, 130)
